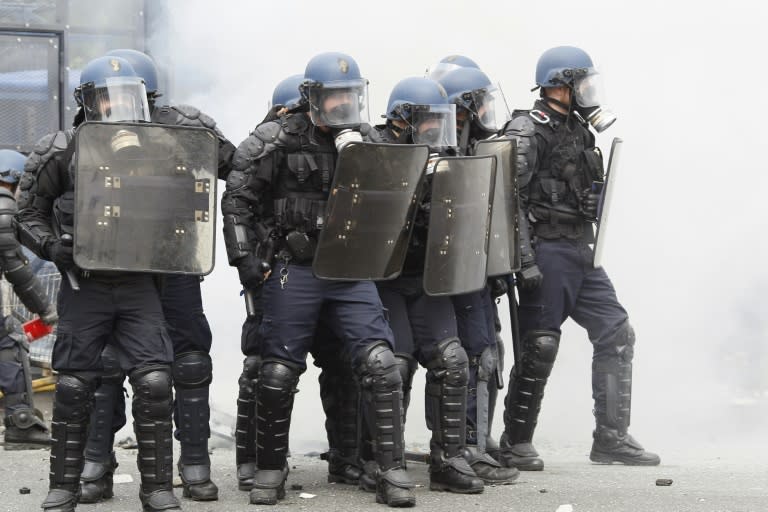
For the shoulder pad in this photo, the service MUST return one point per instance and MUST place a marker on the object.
(295, 124)
(267, 132)
(520, 125)
(258, 144)
(194, 114)
(7, 199)
(46, 148)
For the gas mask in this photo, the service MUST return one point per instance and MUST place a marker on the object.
(344, 137)
(588, 95)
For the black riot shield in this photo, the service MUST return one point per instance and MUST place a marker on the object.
(459, 224)
(504, 239)
(370, 211)
(145, 198)
(604, 206)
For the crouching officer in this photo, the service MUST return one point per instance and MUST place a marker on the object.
(24, 426)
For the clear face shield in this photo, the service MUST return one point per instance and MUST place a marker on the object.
(121, 99)
(339, 104)
(589, 94)
(433, 125)
(488, 108)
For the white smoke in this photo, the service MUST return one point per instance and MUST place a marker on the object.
(686, 254)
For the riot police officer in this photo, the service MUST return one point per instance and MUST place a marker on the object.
(190, 334)
(338, 388)
(557, 165)
(477, 103)
(273, 209)
(109, 307)
(24, 425)
(418, 112)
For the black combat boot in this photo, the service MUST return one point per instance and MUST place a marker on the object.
(192, 375)
(69, 430)
(612, 392)
(274, 395)
(152, 409)
(340, 398)
(446, 406)
(96, 480)
(523, 401)
(481, 372)
(245, 427)
(24, 426)
(107, 417)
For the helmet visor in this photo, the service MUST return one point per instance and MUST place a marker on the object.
(588, 91)
(119, 99)
(488, 108)
(340, 104)
(434, 125)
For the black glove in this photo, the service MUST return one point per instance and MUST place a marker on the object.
(253, 271)
(589, 202)
(60, 252)
(498, 286)
(530, 277)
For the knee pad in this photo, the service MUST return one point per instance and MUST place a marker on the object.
(192, 370)
(540, 351)
(113, 373)
(450, 363)
(625, 342)
(486, 364)
(279, 375)
(74, 394)
(378, 368)
(152, 392)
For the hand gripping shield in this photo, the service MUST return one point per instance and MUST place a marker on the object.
(504, 239)
(370, 211)
(604, 206)
(145, 198)
(459, 225)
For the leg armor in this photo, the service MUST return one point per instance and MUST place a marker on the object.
(274, 400)
(245, 428)
(192, 375)
(382, 406)
(523, 402)
(152, 406)
(446, 414)
(107, 417)
(69, 430)
(494, 385)
(481, 379)
(340, 398)
(24, 425)
(612, 392)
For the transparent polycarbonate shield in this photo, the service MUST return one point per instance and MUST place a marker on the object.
(504, 239)
(459, 223)
(145, 198)
(370, 211)
(604, 206)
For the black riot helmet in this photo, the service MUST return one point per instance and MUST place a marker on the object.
(568, 66)
(422, 106)
(111, 91)
(336, 92)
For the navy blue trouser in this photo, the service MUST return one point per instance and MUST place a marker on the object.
(419, 321)
(11, 372)
(183, 310)
(351, 310)
(124, 311)
(571, 288)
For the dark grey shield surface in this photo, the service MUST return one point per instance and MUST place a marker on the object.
(604, 207)
(459, 223)
(145, 198)
(504, 239)
(370, 211)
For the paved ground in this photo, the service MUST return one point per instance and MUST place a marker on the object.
(570, 483)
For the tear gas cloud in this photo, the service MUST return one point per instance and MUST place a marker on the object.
(686, 253)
